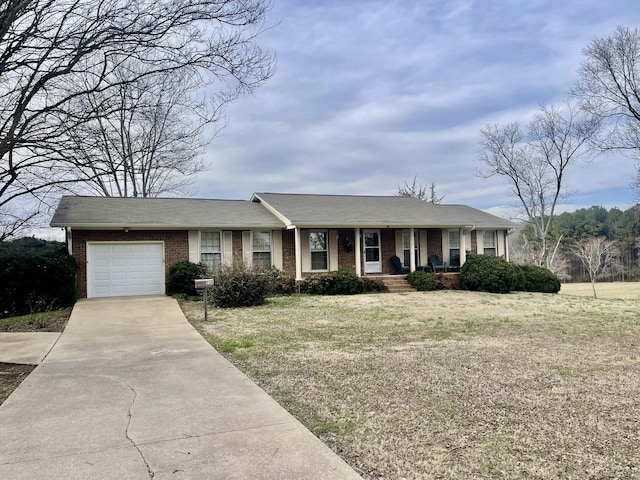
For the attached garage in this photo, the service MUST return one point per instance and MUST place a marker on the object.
(116, 269)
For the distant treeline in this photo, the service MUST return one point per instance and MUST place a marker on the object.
(620, 226)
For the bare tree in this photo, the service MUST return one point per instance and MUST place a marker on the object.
(55, 52)
(600, 257)
(535, 161)
(422, 192)
(608, 86)
(146, 138)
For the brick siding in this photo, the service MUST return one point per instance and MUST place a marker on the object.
(176, 247)
(434, 242)
(289, 252)
(236, 247)
(387, 249)
(347, 260)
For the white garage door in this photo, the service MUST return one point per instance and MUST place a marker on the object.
(124, 269)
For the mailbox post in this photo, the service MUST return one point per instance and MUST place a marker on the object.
(202, 284)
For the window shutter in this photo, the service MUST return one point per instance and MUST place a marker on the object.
(194, 246)
(227, 248)
(276, 249)
(246, 247)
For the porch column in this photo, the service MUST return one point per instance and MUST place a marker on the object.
(463, 248)
(358, 253)
(298, 254)
(412, 247)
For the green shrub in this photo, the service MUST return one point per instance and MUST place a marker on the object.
(182, 276)
(36, 275)
(372, 285)
(340, 282)
(239, 286)
(422, 281)
(281, 283)
(537, 279)
(344, 282)
(317, 284)
(488, 274)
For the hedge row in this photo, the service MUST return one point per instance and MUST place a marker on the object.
(239, 286)
(496, 275)
(36, 275)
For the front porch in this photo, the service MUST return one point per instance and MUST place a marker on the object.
(368, 251)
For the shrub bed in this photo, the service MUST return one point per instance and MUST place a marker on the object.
(340, 282)
(489, 274)
(182, 276)
(422, 281)
(239, 286)
(537, 279)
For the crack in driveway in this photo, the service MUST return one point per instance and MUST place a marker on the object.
(150, 472)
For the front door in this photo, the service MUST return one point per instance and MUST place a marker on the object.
(371, 240)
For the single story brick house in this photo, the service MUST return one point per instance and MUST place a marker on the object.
(125, 246)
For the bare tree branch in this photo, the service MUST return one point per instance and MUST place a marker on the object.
(534, 163)
(422, 192)
(600, 257)
(608, 86)
(54, 54)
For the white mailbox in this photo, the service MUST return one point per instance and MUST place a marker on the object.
(203, 282)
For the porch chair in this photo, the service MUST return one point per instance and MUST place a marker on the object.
(397, 264)
(436, 264)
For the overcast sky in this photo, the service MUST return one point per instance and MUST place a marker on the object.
(369, 93)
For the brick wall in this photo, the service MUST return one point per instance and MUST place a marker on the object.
(434, 242)
(347, 260)
(388, 249)
(236, 247)
(176, 247)
(289, 252)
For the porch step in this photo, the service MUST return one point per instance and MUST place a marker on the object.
(396, 283)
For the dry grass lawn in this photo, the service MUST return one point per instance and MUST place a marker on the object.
(451, 384)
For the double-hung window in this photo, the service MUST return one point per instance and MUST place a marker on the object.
(210, 249)
(261, 248)
(319, 250)
(489, 239)
(406, 247)
(454, 248)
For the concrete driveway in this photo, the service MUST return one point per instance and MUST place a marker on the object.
(132, 391)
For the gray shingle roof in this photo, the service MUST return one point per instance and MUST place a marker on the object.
(161, 213)
(281, 210)
(374, 211)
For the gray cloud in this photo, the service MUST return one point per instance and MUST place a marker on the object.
(370, 93)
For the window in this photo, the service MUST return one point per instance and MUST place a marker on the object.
(210, 249)
(489, 243)
(319, 251)
(261, 244)
(454, 248)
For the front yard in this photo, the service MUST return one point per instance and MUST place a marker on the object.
(451, 384)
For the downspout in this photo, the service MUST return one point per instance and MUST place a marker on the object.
(358, 253)
(69, 240)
